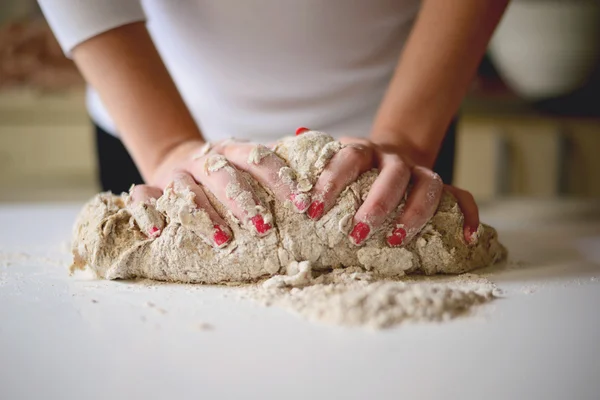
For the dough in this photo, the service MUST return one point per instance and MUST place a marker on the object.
(108, 240)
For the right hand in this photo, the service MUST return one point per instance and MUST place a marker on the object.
(200, 167)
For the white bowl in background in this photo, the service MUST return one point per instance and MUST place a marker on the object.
(547, 48)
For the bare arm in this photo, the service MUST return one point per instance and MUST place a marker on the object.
(433, 74)
(125, 68)
(430, 81)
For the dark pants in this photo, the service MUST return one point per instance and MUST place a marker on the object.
(118, 172)
(116, 169)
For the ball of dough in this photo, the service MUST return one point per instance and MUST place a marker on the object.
(108, 241)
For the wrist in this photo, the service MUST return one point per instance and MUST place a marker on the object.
(418, 149)
(177, 153)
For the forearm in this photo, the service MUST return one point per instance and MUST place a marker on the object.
(433, 74)
(125, 68)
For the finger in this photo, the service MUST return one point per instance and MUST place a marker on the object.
(343, 169)
(384, 196)
(419, 208)
(141, 203)
(232, 189)
(469, 208)
(186, 203)
(269, 170)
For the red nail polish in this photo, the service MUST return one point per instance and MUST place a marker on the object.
(259, 224)
(360, 232)
(301, 204)
(301, 130)
(397, 237)
(471, 235)
(315, 210)
(154, 231)
(220, 237)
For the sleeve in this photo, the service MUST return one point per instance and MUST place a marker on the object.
(75, 21)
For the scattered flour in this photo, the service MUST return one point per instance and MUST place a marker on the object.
(9, 258)
(352, 297)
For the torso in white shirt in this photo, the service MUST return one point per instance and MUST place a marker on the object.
(258, 69)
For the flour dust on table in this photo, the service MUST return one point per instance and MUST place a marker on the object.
(354, 297)
(308, 263)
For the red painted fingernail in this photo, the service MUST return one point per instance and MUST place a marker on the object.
(220, 237)
(360, 232)
(259, 224)
(471, 237)
(315, 210)
(301, 130)
(154, 231)
(301, 202)
(397, 237)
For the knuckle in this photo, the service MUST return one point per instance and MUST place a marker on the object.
(181, 180)
(418, 211)
(469, 197)
(180, 175)
(379, 207)
(151, 192)
(437, 179)
(349, 141)
(354, 150)
(357, 156)
(398, 167)
(435, 185)
(238, 152)
(136, 190)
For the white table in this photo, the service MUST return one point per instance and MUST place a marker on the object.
(79, 338)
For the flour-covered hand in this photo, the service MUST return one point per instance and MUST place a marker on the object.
(396, 171)
(195, 167)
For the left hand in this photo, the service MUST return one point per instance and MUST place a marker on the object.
(396, 170)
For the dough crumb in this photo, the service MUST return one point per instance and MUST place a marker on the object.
(204, 326)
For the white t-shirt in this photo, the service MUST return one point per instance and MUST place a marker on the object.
(258, 69)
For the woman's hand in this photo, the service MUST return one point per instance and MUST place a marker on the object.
(396, 170)
(197, 166)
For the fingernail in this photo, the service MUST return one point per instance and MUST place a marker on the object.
(471, 235)
(259, 224)
(315, 210)
(301, 201)
(301, 130)
(360, 232)
(220, 237)
(397, 237)
(153, 232)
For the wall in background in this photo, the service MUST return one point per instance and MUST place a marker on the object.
(46, 146)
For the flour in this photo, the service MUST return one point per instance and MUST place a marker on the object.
(149, 219)
(214, 163)
(179, 208)
(257, 153)
(354, 298)
(10, 258)
(109, 241)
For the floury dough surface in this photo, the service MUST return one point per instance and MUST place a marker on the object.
(108, 240)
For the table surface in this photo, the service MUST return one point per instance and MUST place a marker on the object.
(76, 337)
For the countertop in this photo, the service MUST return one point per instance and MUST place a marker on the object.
(75, 337)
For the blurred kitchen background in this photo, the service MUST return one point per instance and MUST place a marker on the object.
(530, 126)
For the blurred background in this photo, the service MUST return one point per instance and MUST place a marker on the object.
(529, 127)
